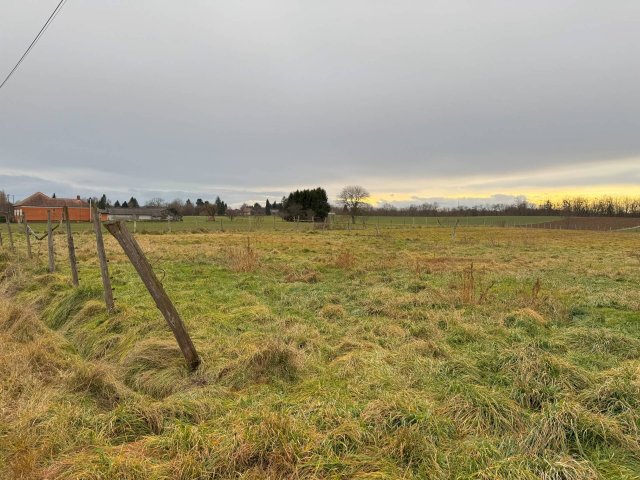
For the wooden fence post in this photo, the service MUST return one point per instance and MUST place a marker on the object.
(52, 263)
(104, 268)
(10, 234)
(0, 239)
(72, 250)
(160, 297)
(27, 234)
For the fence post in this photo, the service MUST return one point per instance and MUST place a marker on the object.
(0, 239)
(104, 268)
(72, 249)
(52, 263)
(9, 230)
(28, 236)
(155, 288)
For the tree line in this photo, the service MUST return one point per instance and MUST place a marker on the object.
(606, 206)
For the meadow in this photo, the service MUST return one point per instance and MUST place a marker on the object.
(201, 224)
(505, 353)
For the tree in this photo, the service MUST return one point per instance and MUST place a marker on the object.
(257, 209)
(54, 195)
(267, 208)
(155, 202)
(188, 208)
(133, 202)
(353, 197)
(125, 204)
(102, 203)
(221, 206)
(117, 204)
(306, 204)
(232, 213)
(210, 209)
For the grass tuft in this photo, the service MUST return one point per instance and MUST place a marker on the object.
(275, 361)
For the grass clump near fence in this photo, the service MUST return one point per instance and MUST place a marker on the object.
(338, 354)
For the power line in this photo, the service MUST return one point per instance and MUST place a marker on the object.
(35, 40)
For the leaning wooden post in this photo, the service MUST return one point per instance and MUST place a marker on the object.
(160, 297)
(0, 239)
(27, 234)
(52, 263)
(72, 250)
(104, 268)
(9, 230)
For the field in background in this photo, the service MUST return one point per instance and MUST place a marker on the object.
(508, 353)
(273, 223)
(246, 224)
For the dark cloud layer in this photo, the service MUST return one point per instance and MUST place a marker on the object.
(253, 98)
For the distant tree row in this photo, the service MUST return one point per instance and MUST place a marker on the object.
(103, 203)
(176, 206)
(313, 204)
(574, 206)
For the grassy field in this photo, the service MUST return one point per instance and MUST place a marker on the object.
(505, 354)
(273, 223)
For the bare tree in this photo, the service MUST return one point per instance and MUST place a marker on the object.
(232, 213)
(156, 202)
(210, 209)
(353, 197)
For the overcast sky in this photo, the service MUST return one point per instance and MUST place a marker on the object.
(248, 99)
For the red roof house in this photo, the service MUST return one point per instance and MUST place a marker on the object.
(34, 208)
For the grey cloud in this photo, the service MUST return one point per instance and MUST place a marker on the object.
(265, 96)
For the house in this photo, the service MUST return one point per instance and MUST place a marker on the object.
(35, 207)
(246, 210)
(142, 214)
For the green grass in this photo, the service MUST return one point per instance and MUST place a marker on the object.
(200, 224)
(328, 354)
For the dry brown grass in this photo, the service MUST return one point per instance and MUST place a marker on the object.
(345, 260)
(242, 259)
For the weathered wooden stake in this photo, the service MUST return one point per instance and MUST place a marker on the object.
(72, 250)
(52, 263)
(27, 234)
(0, 239)
(104, 268)
(160, 297)
(9, 230)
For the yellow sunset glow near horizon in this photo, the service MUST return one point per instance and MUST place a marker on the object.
(555, 194)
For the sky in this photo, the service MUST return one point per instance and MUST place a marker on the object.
(451, 101)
